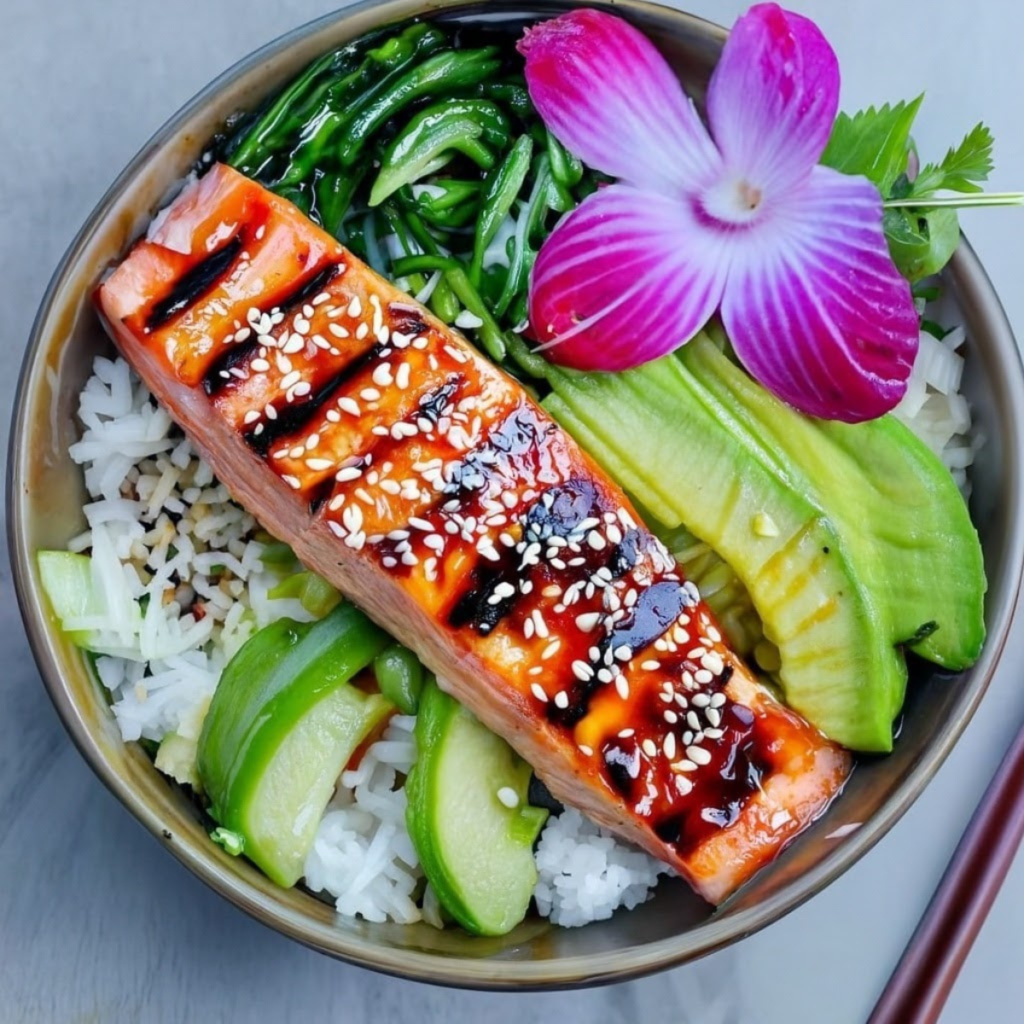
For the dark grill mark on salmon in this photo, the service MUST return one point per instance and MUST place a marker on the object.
(194, 284)
(308, 291)
(219, 375)
(295, 415)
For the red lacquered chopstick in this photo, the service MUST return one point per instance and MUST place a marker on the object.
(921, 983)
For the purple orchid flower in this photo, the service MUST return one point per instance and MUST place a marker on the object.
(742, 220)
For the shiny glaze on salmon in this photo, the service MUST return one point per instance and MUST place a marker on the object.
(431, 489)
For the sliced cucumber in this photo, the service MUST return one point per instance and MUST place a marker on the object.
(469, 818)
(67, 580)
(282, 725)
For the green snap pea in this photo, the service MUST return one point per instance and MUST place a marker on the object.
(334, 193)
(381, 71)
(400, 677)
(444, 71)
(444, 303)
(488, 333)
(423, 263)
(501, 191)
(446, 203)
(250, 150)
(463, 126)
(512, 95)
(566, 169)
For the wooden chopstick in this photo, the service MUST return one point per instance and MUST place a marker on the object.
(921, 983)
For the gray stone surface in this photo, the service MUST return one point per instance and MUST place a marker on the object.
(97, 923)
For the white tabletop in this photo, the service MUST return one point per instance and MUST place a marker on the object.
(97, 923)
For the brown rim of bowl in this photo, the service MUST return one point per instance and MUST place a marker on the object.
(975, 291)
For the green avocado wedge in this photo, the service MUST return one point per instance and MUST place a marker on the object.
(688, 459)
(895, 504)
(282, 725)
(476, 851)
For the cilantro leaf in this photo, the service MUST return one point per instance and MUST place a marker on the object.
(962, 168)
(873, 142)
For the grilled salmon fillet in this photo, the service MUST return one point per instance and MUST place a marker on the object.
(438, 496)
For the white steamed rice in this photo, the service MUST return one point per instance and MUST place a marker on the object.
(183, 586)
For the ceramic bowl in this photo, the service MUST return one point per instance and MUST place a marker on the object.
(45, 496)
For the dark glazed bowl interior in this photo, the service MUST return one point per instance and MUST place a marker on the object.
(45, 496)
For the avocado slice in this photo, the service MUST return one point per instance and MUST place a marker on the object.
(283, 723)
(469, 819)
(690, 460)
(897, 507)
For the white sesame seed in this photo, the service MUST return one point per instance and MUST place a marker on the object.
(714, 734)
(692, 720)
(551, 650)
(649, 748)
(718, 700)
(585, 750)
(703, 676)
(684, 785)
(542, 627)
(382, 375)
(622, 686)
(362, 331)
(561, 699)
(650, 665)
(668, 746)
(582, 671)
(508, 797)
(714, 716)
(259, 365)
(713, 663)
(538, 691)
(292, 482)
(671, 717)
(698, 755)
(251, 416)
(370, 395)
(587, 621)
(623, 653)
(319, 465)
(596, 541)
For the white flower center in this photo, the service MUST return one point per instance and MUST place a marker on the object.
(733, 202)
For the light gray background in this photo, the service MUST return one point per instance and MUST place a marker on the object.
(97, 923)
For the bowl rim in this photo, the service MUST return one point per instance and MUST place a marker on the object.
(969, 278)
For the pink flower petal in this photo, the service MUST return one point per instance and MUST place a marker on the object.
(628, 276)
(815, 308)
(610, 97)
(773, 98)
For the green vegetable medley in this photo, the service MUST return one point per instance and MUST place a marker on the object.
(423, 154)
